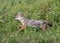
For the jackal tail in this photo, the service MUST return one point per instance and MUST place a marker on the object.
(49, 23)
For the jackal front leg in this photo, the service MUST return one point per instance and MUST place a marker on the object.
(22, 27)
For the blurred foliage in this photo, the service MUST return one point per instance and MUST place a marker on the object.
(32, 9)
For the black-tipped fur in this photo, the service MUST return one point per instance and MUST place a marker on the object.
(49, 23)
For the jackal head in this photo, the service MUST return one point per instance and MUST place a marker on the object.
(19, 16)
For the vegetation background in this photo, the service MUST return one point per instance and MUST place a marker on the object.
(33, 9)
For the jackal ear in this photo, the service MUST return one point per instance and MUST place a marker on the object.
(20, 13)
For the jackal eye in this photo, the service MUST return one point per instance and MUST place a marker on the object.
(21, 15)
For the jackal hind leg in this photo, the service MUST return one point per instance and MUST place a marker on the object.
(43, 26)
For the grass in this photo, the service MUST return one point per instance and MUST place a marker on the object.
(33, 9)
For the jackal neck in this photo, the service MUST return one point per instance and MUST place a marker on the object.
(24, 20)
